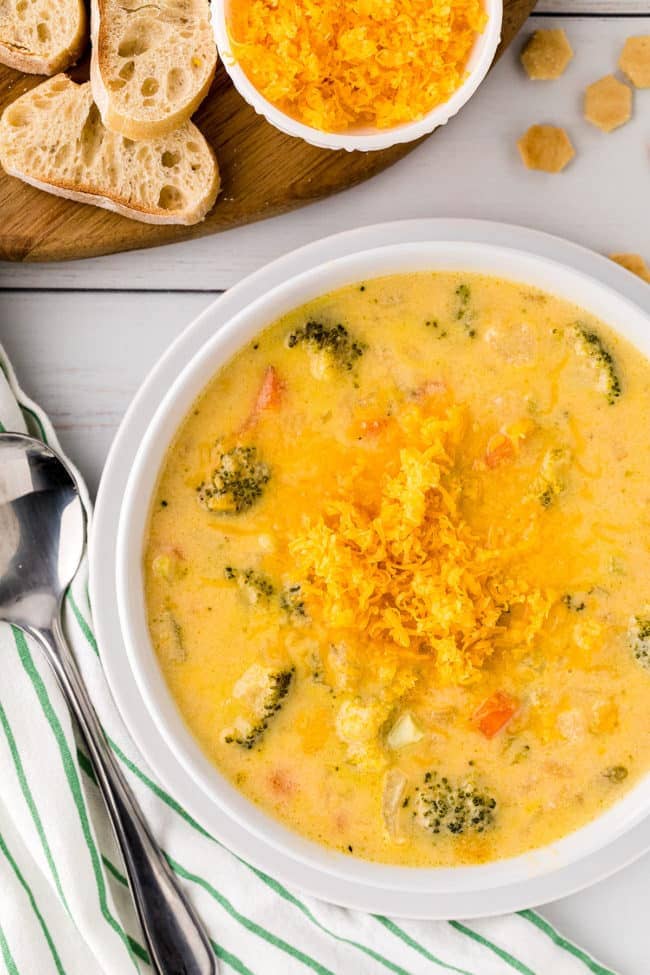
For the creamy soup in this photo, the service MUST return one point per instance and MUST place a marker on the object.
(397, 569)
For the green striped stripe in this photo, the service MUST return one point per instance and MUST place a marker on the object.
(73, 782)
(83, 625)
(412, 943)
(3, 428)
(246, 922)
(114, 872)
(561, 942)
(235, 963)
(6, 955)
(36, 421)
(138, 950)
(86, 765)
(30, 896)
(31, 804)
(500, 952)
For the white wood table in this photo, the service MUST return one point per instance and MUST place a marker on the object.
(83, 335)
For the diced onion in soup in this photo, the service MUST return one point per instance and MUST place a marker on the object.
(394, 788)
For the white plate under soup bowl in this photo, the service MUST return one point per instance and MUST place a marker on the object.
(619, 313)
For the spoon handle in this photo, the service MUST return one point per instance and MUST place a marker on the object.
(177, 943)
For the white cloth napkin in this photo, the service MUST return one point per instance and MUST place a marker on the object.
(64, 904)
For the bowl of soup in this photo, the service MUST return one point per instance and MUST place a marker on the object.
(382, 565)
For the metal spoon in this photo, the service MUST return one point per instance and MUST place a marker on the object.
(42, 537)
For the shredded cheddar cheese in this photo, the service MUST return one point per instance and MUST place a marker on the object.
(406, 572)
(337, 65)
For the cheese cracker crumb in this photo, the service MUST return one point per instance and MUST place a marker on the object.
(546, 147)
(546, 55)
(608, 103)
(635, 60)
(633, 263)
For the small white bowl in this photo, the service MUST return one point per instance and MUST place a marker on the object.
(464, 891)
(367, 139)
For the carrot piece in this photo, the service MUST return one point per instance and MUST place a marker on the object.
(270, 392)
(269, 397)
(361, 428)
(494, 713)
(499, 449)
(369, 428)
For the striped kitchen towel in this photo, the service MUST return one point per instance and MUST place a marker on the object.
(64, 903)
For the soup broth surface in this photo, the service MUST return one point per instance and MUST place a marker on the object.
(397, 569)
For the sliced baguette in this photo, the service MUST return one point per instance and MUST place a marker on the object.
(152, 63)
(53, 138)
(42, 36)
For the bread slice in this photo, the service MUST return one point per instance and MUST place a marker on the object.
(42, 36)
(53, 138)
(152, 63)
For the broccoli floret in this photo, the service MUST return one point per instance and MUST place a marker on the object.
(260, 588)
(464, 312)
(588, 343)
(292, 603)
(236, 483)
(443, 805)
(256, 585)
(616, 774)
(333, 340)
(168, 636)
(639, 639)
(263, 691)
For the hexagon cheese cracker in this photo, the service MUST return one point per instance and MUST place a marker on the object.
(546, 147)
(635, 60)
(608, 103)
(633, 263)
(546, 55)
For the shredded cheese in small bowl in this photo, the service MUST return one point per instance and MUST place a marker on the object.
(364, 74)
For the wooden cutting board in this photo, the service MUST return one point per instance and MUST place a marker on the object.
(263, 173)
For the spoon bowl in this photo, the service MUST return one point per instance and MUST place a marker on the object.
(42, 530)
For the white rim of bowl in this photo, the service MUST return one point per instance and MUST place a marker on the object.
(631, 322)
(478, 64)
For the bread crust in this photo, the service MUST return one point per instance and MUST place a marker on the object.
(133, 213)
(126, 125)
(21, 60)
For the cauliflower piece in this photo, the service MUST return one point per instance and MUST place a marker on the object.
(552, 479)
(359, 725)
(571, 724)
